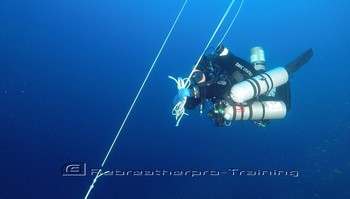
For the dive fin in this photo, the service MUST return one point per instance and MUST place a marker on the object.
(297, 63)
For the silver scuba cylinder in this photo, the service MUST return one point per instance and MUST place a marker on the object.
(257, 58)
(258, 110)
(259, 84)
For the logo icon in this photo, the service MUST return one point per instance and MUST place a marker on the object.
(74, 169)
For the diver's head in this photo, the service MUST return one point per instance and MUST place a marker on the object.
(198, 77)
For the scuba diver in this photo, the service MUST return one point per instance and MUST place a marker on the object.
(238, 89)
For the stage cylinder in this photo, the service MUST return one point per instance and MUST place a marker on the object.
(258, 110)
(258, 84)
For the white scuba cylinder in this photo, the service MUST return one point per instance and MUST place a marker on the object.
(257, 58)
(258, 110)
(259, 84)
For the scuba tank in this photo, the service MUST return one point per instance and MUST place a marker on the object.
(259, 84)
(258, 110)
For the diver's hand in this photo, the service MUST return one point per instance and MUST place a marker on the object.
(182, 95)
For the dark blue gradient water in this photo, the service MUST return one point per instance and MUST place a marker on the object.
(69, 71)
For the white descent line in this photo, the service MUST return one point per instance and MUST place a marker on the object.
(233, 20)
(99, 174)
(211, 39)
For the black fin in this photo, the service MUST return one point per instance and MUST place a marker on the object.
(297, 63)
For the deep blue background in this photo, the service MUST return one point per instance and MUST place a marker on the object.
(69, 71)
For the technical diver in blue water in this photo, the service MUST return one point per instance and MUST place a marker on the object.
(241, 90)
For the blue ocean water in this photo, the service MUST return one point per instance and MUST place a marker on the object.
(69, 71)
